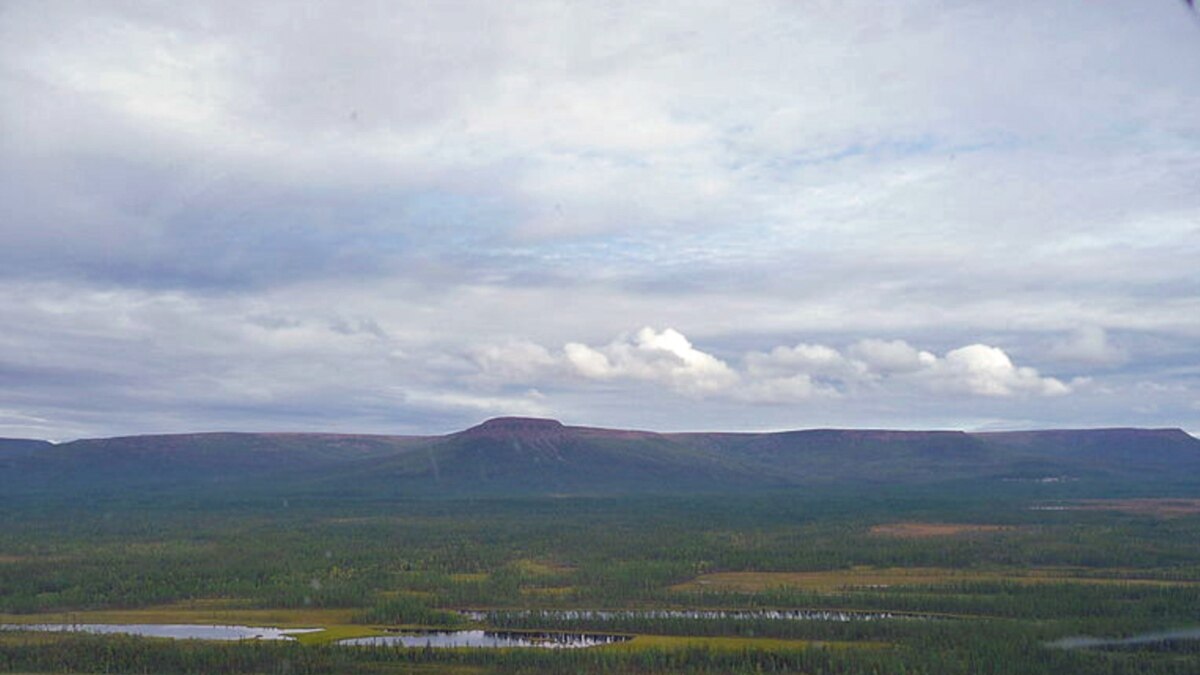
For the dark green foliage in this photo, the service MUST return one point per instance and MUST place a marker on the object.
(407, 610)
(412, 562)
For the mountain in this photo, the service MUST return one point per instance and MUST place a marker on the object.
(1132, 452)
(12, 448)
(516, 456)
(512, 454)
(111, 465)
(853, 455)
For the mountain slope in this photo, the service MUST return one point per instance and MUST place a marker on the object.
(107, 465)
(852, 455)
(12, 448)
(517, 456)
(545, 456)
(1146, 452)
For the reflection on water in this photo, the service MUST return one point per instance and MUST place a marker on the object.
(1088, 642)
(176, 631)
(737, 615)
(488, 638)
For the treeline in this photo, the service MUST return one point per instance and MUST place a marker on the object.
(608, 553)
(94, 654)
(875, 630)
(1044, 601)
(414, 563)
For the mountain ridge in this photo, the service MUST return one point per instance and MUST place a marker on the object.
(519, 423)
(524, 455)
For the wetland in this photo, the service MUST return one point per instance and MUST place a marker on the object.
(728, 584)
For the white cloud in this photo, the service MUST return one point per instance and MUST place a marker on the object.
(514, 360)
(665, 357)
(988, 371)
(807, 358)
(786, 374)
(783, 389)
(896, 366)
(529, 404)
(1088, 344)
(895, 356)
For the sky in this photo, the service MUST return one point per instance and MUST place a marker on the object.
(407, 217)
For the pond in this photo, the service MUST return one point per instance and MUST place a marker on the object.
(489, 638)
(178, 631)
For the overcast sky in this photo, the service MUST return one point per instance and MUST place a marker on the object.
(409, 217)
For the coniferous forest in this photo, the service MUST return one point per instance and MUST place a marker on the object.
(912, 580)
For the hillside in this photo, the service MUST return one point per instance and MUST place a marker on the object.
(11, 448)
(545, 456)
(113, 465)
(852, 455)
(535, 456)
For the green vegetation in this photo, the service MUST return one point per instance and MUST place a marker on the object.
(999, 594)
(408, 610)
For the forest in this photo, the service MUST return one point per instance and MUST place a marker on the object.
(835, 581)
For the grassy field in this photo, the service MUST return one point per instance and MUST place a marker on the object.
(913, 530)
(869, 578)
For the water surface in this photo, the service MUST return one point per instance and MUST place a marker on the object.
(178, 631)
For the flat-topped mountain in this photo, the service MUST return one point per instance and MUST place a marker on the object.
(545, 456)
(517, 455)
(515, 426)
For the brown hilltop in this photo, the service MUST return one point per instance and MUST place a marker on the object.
(514, 426)
(541, 428)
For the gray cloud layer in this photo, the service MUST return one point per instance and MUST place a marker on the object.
(405, 217)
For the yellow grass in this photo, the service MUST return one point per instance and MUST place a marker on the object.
(337, 632)
(541, 567)
(867, 578)
(468, 577)
(12, 559)
(1163, 508)
(199, 612)
(916, 530)
(553, 591)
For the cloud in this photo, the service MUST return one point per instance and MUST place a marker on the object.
(528, 405)
(665, 357)
(988, 371)
(807, 358)
(1090, 345)
(515, 360)
(785, 373)
(220, 216)
(783, 389)
(895, 356)
(974, 369)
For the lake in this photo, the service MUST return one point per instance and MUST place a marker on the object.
(178, 631)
